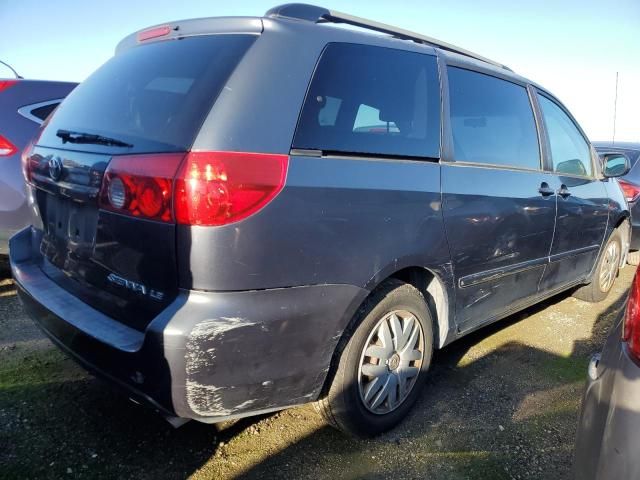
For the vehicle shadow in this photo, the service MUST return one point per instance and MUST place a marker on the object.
(82, 427)
(56, 421)
(468, 423)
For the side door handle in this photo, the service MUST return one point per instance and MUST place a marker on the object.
(564, 191)
(545, 190)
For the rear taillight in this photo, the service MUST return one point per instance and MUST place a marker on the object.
(141, 185)
(631, 331)
(631, 191)
(6, 147)
(4, 84)
(217, 188)
(197, 188)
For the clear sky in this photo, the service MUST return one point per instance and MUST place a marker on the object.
(572, 47)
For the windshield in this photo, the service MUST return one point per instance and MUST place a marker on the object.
(153, 97)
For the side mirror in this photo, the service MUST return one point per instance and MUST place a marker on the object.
(615, 165)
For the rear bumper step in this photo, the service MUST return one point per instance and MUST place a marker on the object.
(103, 346)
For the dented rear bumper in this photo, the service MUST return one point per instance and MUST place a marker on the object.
(209, 356)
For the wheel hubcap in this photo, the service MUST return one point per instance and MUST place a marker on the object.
(390, 362)
(394, 362)
(610, 262)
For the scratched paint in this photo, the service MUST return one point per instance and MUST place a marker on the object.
(207, 400)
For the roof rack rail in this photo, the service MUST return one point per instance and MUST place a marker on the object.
(312, 13)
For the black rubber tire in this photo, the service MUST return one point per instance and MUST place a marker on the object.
(591, 292)
(633, 258)
(341, 405)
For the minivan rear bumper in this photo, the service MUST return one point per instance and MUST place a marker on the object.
(209, 356)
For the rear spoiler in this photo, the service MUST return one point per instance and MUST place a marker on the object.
(188, 28)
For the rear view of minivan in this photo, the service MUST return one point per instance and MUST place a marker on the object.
(237, 215)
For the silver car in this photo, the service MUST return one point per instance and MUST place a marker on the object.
(24, 105)
(608, 441)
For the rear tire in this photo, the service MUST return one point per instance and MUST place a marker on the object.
(605, 273)
(370, 394)
(633, 258)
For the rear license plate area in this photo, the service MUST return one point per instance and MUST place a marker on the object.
(69, 231)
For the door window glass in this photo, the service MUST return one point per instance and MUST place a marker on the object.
(570, 153)
(492, 121)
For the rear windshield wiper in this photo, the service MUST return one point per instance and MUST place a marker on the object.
(81, 137)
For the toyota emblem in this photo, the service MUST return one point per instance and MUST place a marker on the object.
(55, 168)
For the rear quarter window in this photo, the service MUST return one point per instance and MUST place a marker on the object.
(43, 112)
(154, 96)
(372, 100)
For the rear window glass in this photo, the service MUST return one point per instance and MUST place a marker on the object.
(372, 100)
(153, 96)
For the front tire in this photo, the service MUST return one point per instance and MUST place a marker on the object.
(605, 273)
(383, 364)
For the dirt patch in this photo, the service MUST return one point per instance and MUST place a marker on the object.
(500, 403)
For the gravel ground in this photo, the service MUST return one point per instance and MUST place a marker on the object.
(501, 403)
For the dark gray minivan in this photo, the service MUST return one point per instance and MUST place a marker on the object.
(237, 215)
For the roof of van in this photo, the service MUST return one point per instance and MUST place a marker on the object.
(323, 22)
(294, 11)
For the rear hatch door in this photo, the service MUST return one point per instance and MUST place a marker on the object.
(146, 102)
